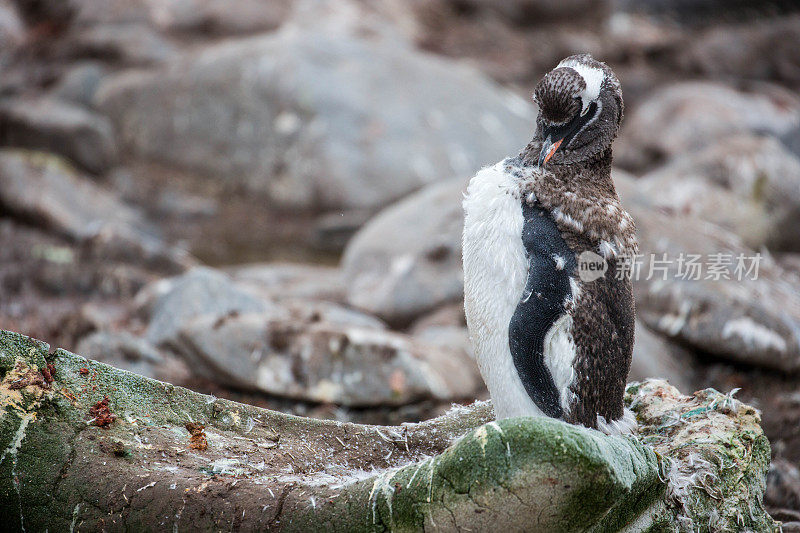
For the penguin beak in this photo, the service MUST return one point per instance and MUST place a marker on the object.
(548, 149)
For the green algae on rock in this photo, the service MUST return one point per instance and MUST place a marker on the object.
(263, 470)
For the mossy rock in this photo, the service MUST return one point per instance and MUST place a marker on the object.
(163, 457)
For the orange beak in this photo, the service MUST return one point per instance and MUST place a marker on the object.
(548, 150)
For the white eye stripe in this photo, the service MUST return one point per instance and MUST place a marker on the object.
(589, 122)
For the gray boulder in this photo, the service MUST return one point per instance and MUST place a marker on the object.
(11, 26)
(312, 311)
(129, 352)
(655, 356)
(745, 183)
(756, 50)
(44, 188)
(334, 230)
(451, 337)
(128, 45)
(46, 191)
(449, 315)
(407, 260)
(222, 329)
(328, 357)
(291, 280)
(88, 13)
(120, 32)
(445, 326)
(754, 320)
(791, 139)
(317, 118)
(215, 17)
(701, 13)
(687, 116)
(79, 83)
(537, 12)
(172, 303)
(783, 487)
(12, 31)
(51, 125)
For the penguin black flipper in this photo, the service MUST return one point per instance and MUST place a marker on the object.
(543, 302)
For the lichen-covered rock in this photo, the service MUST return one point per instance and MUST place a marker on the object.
(714, 456)
(86, 446)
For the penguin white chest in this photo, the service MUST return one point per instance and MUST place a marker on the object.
(496, 269)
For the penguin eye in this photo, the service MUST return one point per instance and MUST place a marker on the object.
(579, 103)
(589, 108)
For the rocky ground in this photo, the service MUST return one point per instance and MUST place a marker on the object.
(263, 203)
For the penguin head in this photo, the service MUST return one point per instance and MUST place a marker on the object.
(580, 110)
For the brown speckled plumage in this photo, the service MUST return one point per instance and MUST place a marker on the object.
(577, 189)
(554, 94)
(586, 193)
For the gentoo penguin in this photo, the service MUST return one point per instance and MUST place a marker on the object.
(549, 340)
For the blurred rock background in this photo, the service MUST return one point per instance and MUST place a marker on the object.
(261, 199)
